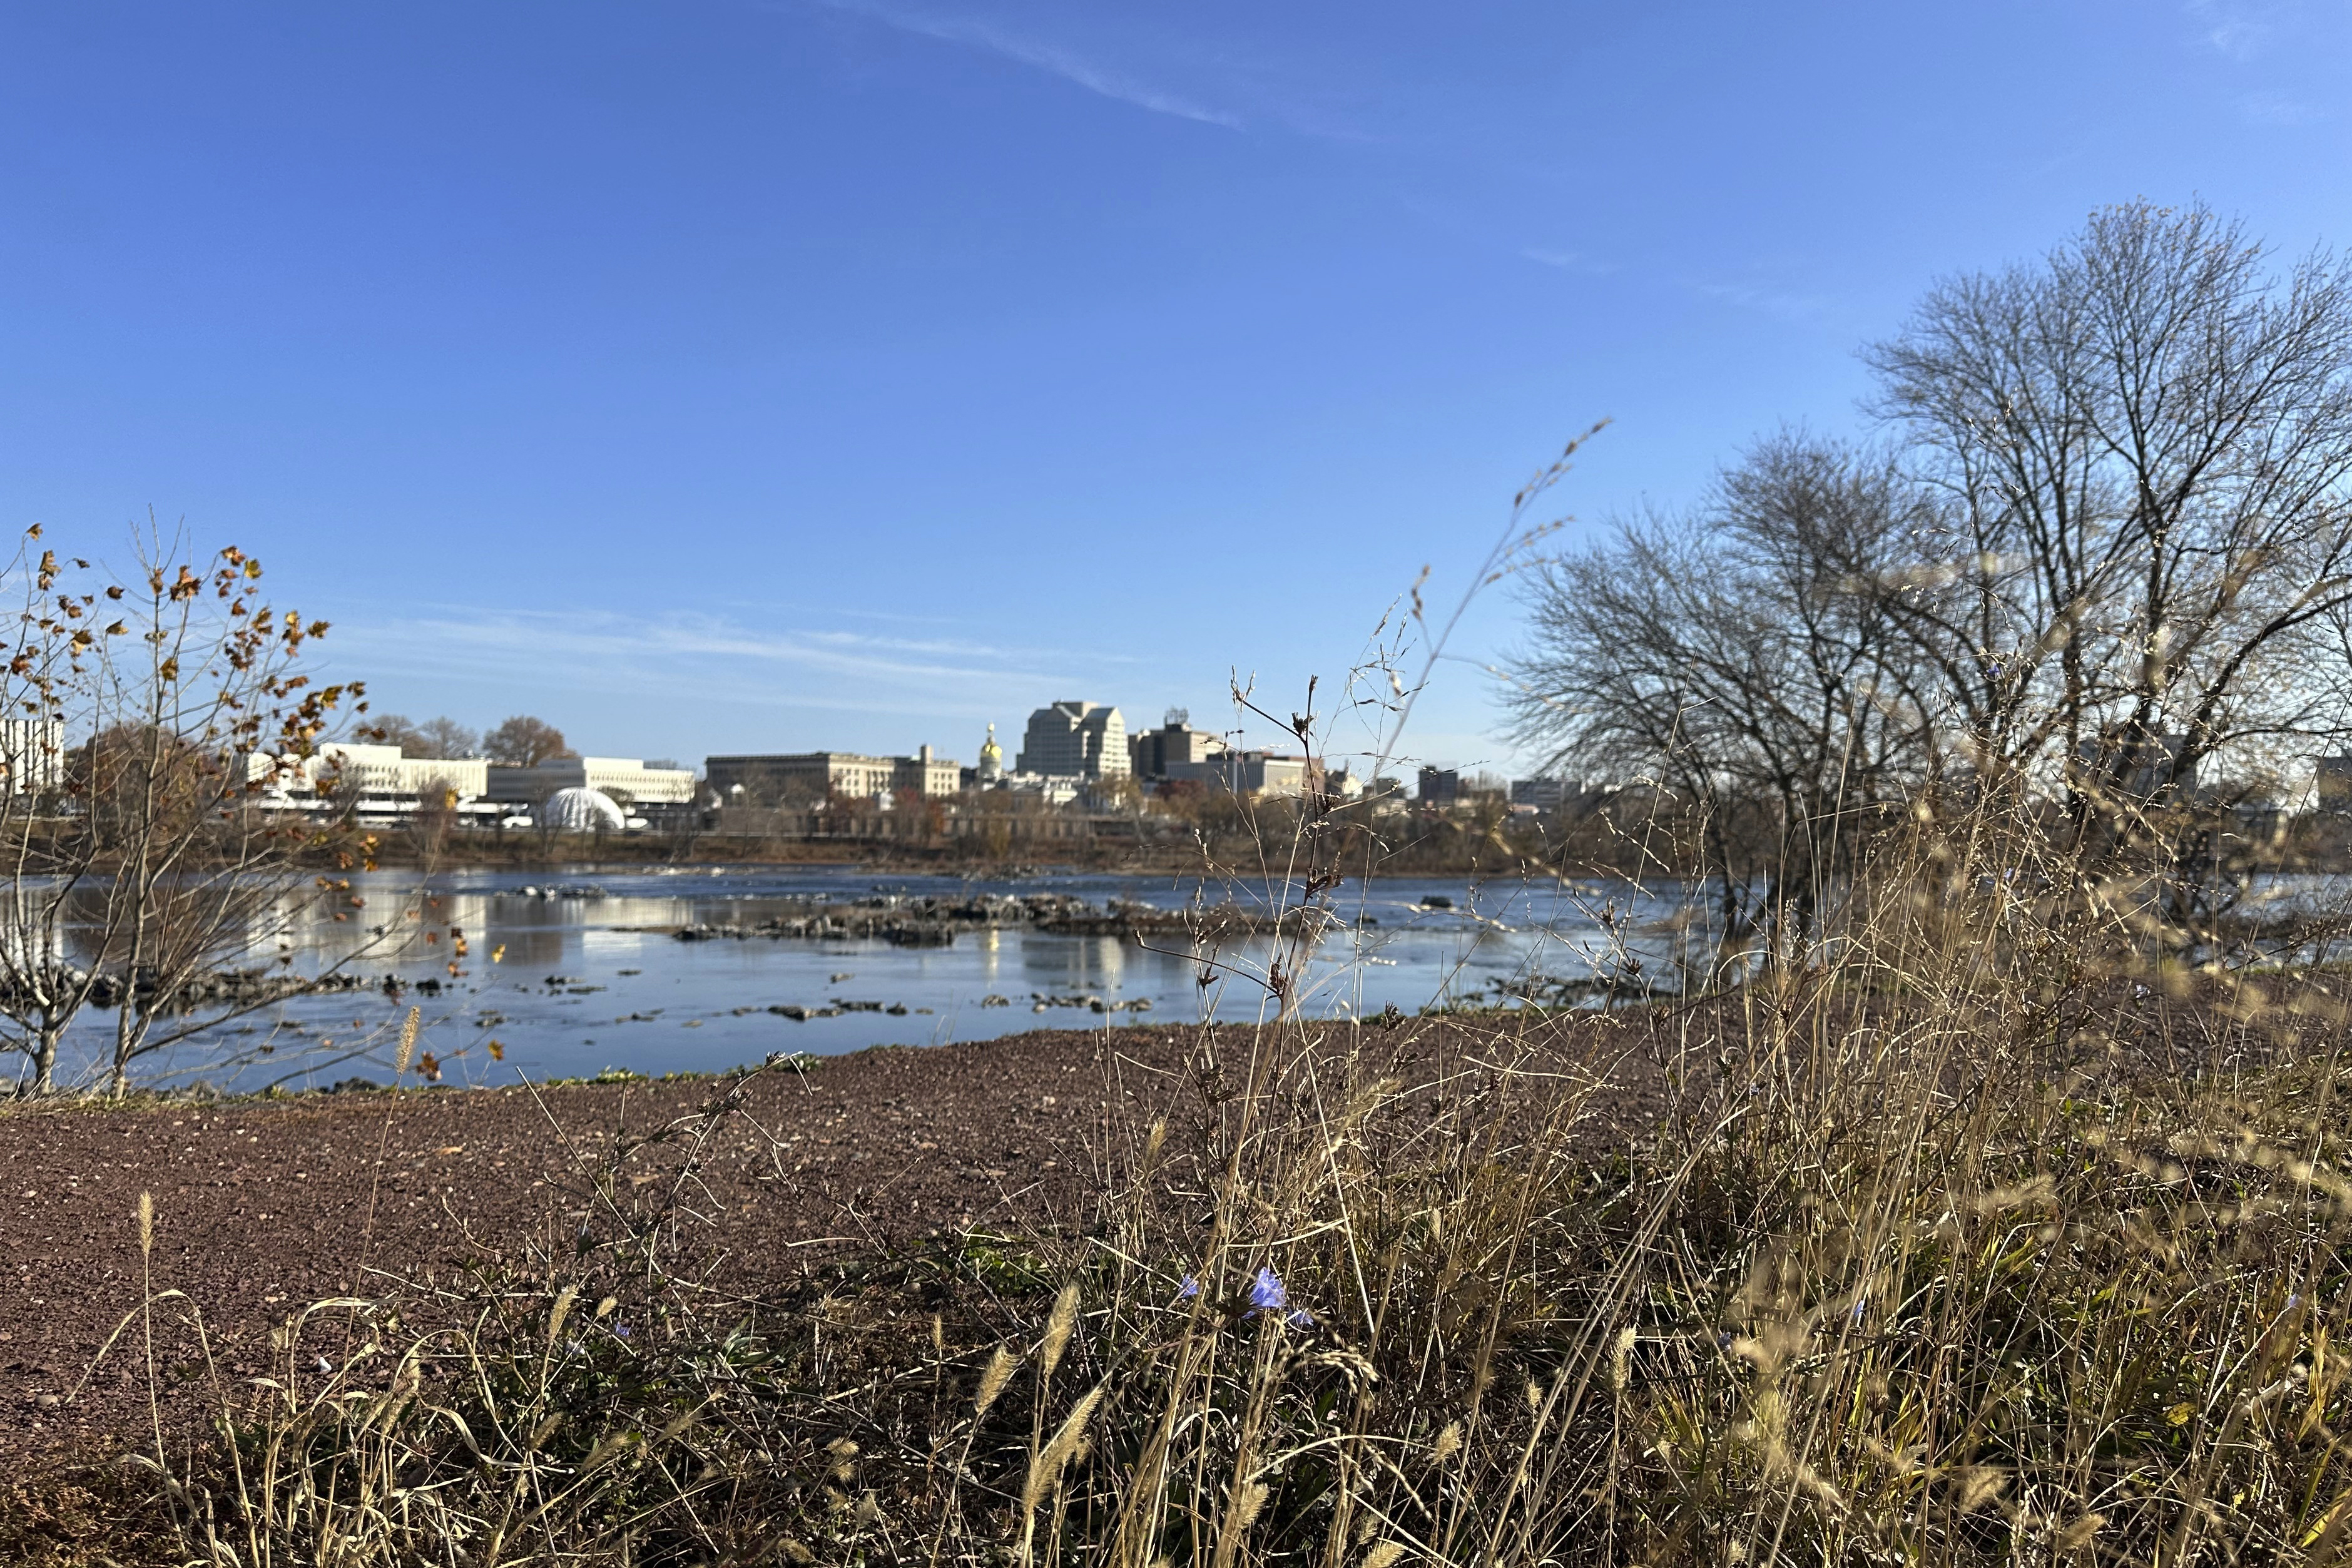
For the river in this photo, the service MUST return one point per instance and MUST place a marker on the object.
(576, 972)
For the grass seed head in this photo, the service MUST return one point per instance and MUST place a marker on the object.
(407, 1052)
(998, 1372)
(1064, 1319)
(1045, 1474)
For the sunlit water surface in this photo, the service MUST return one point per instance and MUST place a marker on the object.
(589, 975)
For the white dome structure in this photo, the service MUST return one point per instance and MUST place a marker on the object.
(579, 810)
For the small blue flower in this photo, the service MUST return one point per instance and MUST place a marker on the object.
(1188, 1290)
(622, 1330)
(1300, 1318)
(1267, 1294)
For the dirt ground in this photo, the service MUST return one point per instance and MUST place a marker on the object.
(263, 1206)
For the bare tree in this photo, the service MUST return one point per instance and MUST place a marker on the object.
(525, 741)
(441, 737)
(444, 737)
(2142, 445)
(145, 856)
(394, 730)
(1726, 657)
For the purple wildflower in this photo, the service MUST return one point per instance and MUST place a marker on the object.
(1267, 1294)
(1300, 1318)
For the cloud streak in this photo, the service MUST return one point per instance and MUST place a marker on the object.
(705, 658)
(2240, 29)
(2272, 108)
(1566, 260)
(1051, 58)
(1778, 303)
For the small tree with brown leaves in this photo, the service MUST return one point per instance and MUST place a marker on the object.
(149, 846)
(210, 709)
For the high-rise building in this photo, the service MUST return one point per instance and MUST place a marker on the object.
(1075, 739)
(1439, 786)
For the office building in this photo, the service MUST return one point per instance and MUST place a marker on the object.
(1247, 773)
(925, 774)
(808, 778)
(1439, 786)
(375, 783)
(1075, 739)
(1543, 793)
(1150, 754)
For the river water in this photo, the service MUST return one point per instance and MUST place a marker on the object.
(572, 973)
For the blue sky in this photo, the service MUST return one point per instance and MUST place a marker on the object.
(728, 377)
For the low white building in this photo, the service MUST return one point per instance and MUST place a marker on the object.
(616, 778)
(377, 783)
(342, 768)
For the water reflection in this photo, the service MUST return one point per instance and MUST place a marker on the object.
(585, 974)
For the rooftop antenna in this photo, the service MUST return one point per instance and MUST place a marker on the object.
(1180, 717)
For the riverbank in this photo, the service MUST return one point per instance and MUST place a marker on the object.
(790, 1301)
(264, 1205)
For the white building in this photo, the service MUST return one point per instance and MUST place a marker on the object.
(811, 778)
(32, 756)
(617, 778)
(1075, 739)
(376, 783)
(342, 768)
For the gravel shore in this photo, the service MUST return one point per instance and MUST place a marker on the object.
(262, 1206)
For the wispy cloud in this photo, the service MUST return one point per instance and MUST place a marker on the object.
(2240, 29)
(1054, 59)
(1775, 302)
(708, 658)
(1567, 260)
(2273, 108)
